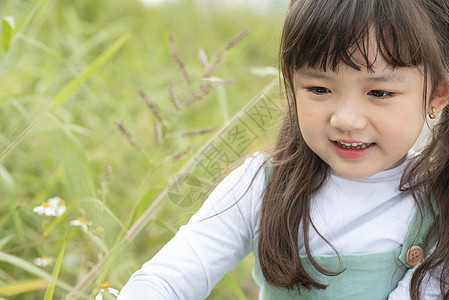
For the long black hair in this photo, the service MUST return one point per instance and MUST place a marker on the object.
(324, 34)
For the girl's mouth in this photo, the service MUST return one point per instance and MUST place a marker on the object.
(353, 150)
(356, 146)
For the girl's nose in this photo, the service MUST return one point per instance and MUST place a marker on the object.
(348, 117)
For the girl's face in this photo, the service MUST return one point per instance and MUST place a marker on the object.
(360, 122)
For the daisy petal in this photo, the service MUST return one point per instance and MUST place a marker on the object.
(113, 292)
(99, 296)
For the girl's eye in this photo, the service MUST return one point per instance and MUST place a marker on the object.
(380, 94)
(319, 90)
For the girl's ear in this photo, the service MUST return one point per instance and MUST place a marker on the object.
(440, 97)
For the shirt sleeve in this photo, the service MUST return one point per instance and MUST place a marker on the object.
(213, 242)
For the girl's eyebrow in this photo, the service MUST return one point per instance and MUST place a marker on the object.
(387, 77)
(316, 75)
(384, 77)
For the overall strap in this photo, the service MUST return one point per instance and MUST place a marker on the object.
(419, 228)
(268, 168)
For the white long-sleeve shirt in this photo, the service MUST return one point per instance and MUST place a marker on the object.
(355, 216)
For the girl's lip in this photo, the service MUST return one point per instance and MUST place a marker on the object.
(353, 153)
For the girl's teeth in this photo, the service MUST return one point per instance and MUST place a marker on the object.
(352, 145)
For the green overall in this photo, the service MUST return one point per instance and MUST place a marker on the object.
(365, 276)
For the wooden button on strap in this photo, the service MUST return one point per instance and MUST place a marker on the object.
(414, 255)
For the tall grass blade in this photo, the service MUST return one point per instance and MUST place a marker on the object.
(5, 277)
(5, 218)
(234, 287)
(56, 269)
(21, 287)
(29, 19)
(223, 102)
(32, 269)
(7, 182)
(32, 15)
(5, 240)
(12, 142)
(39, 45)
(96, 64)
(103, 206)
(56, 221)
(69, 153)
(8, 25)
(8, 185)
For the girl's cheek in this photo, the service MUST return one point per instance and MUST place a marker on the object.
(305, 114)
(309, 109)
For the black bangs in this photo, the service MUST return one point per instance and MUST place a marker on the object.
(326, 33)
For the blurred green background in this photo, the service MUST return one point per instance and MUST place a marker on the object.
(95, 109)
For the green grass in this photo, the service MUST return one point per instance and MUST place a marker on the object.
(74, 125)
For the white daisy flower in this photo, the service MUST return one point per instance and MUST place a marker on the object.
(106, 289)
(79, 222)
(58, 205)
(44, 209)
(43, 261)
(53, 207)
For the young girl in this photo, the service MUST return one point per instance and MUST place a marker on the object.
(342, 208)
